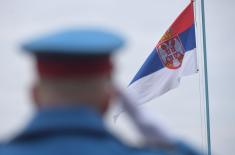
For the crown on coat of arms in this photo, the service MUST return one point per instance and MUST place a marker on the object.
(168, 35)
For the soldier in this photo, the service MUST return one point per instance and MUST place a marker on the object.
(72, 92)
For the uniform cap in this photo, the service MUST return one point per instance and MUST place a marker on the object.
(76, 41)
(74, 52)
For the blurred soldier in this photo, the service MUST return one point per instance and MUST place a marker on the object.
(72, 93)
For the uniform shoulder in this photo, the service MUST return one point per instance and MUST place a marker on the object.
(179, 148)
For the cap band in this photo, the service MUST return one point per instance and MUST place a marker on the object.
(72, 66)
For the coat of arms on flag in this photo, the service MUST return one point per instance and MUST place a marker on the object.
(170, 51)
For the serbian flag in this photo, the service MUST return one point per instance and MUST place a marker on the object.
(173, 57)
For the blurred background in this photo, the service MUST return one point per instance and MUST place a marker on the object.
(142, 23)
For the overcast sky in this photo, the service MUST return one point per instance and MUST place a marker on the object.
(142, 23)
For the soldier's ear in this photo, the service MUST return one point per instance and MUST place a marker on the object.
(35, 94)
(108, 97)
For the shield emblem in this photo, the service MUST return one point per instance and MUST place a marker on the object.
(171, 52)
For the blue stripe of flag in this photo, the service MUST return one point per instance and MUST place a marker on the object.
(153, 62)
(188, 38)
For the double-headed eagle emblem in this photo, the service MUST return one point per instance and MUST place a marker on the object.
(170, 51)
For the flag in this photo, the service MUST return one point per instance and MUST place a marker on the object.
(173, 57)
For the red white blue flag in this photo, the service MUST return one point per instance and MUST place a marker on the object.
(173, 57)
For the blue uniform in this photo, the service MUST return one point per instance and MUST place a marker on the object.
(75, 131)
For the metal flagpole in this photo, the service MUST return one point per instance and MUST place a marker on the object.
(207, 106)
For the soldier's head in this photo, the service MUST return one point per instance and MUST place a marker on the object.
(74, 67)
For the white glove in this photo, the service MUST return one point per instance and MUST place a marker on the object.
(154, 134)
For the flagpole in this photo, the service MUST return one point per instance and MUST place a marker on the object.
(207, 106)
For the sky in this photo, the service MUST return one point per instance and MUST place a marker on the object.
(142, 23)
